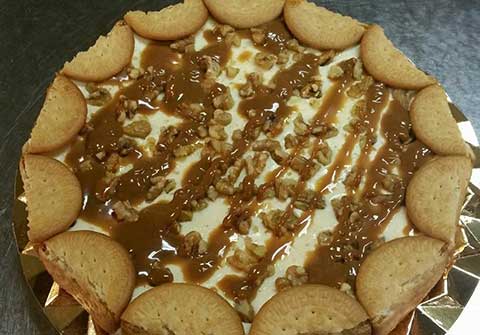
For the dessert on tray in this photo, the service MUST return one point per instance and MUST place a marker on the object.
(275, 168)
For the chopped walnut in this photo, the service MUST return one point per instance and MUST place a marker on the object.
(291, 141)
(256, 164)
(381, 198)
(294, 276)
(326, 57)
(202, 131)
(335, 72)
(359, 89)
(140, 129)
(305, 167)
(98, 96)
(282, 283)
(170, 186)
(248, 89)
(294, 46)
(245, 310)
(353, 178)
(212, 193)
(113, 162)
(266, 145)
(258, 250)
(194, 111)
(313, 89)
(300, 127)
(234, 171)
(219, 146)
(242, 260)
(325, 237)
(265, 60)
(167, 136)
(125, 212)
(224, 187)
(157, 185)
(359, 108)
(223, 29)
(193, 244)
(125, 146)
(325, 131)
(135, 73)
(217, 132)
(309, 199)
(237, 135)
(390, 182)
(233, 39)
(231, 72)
(284, 188)
(258, 35)
(324, 154)
(210, 66)
(223, 101)
(283, 57)
(185, 216)
(358, 70)
(277, 223)
(185, 150)
(297, 275)
(184, 45)
(198, 205)
(222, 117)
(128, 107)
(111, 188)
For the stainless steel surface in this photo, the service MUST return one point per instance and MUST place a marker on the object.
(37, 37)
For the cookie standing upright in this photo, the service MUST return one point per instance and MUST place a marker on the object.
(179, 309)
(53, 193)
(171, 23)
(109, 55)
(245, 14)
(388, 64)
(61, 118)
(320, 28)
(311, 309)
(434, 124)
(395, 277)
(95, 270)
(435, 196)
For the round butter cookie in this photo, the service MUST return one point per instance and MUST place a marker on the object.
(61, 118)
(180, 309)
(435, 196)
(311, 309)
(388, 64)
(170, 23)
(245, 14)
(107, 57)
(320, 28)
(53, 193)
(434, 124)
(96, 270)
(396, 277)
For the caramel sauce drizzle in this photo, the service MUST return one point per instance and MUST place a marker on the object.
(154, 241)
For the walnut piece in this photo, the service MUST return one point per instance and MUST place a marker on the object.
(258, 35)
(223, 101)
(186, 45)
(125, 212)
(193, 244)
(335, 72)
(98, 96)
(231, 72)
(265, 60)
(140, 129)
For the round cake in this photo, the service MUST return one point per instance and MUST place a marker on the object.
(231, 167)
